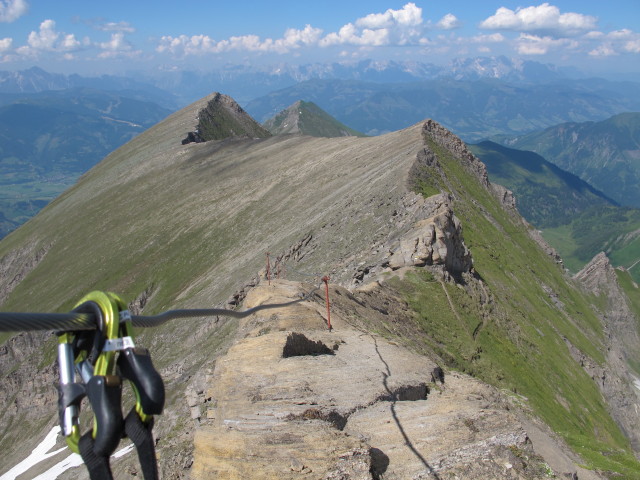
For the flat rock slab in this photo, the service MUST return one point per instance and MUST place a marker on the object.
(348, 404)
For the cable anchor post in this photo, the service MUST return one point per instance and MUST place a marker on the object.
(268, 269)
(325, 279)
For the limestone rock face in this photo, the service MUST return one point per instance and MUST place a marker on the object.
(616, 379)
(598, 275)
(434, 241)
(294, 400)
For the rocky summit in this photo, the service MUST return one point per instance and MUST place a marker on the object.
(459, 347)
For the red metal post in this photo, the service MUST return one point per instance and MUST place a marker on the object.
(268, 269)
(325, 279)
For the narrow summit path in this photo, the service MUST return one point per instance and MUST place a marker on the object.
(293, 400)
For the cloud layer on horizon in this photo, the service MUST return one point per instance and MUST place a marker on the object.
(527, 31)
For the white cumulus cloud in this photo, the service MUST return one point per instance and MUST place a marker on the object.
(393, 27)
(202, 44)
(527, 44)
(11, 10)
(409, 16)
(544, 19)
(603, 50)
(45, 38)
(448, 22)
(613, 43)
(633, 46)
(48, 39)
(5, 44)
(116, 27)
(491, 38)
(117, 46)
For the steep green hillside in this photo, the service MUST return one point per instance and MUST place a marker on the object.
(577, 220)
(604, 154)
(610, 229)
(512, 333)
(308, 119)
(546, 195)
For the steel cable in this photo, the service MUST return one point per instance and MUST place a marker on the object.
(69, 322)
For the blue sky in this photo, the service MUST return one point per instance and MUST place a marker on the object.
(122, 36)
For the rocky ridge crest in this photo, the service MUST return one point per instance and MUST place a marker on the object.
(291, 398)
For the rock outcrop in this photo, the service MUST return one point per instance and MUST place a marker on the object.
(436, 240)
(615, 378)
(444, 138)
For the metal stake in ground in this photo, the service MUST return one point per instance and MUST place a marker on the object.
(268, 269)
(325, 279)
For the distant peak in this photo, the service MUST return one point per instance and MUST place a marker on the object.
(221, 118)
(307, 118)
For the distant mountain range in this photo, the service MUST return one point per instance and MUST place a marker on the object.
(605, 154)
(245, 82)
(475, 97)
(36, 80)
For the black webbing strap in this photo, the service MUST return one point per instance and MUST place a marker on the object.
(97, 465)
(140, 435)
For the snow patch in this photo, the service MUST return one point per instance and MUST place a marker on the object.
(41, 453)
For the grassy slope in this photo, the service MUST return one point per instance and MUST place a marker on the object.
(518, 337)
(547, 196)
(312, 120)
(605, 153)
(316, 122)
(577, 220)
